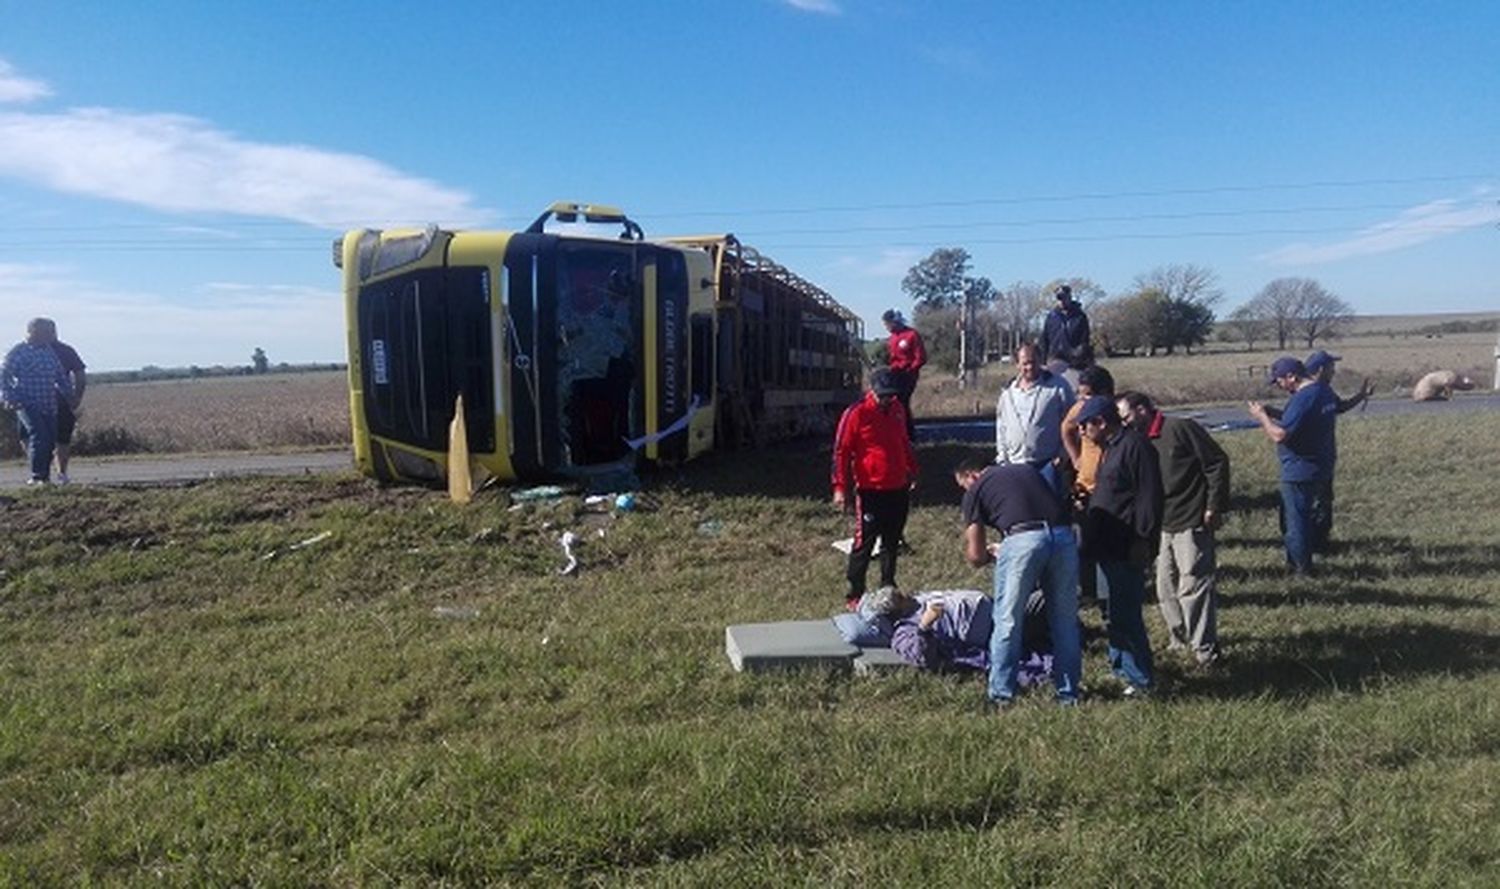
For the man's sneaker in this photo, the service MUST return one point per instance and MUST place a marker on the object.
(39, 482)
(1136, 692)
(61, 478)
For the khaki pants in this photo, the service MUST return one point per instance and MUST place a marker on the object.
(1186, 590)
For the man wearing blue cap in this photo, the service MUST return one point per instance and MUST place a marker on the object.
(1304, 437)
(1121, 531)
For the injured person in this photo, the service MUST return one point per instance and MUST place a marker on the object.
(950, 629)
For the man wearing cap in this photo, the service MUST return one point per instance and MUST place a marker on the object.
(1195, 489)
(1029, 413)
(1065, 334)
(874, 470)
(1305, 445)
(1121, 532)
(905, 357)
(1037, 547)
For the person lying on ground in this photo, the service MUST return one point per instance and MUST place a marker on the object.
(950, 629)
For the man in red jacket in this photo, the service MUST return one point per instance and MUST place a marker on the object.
(874, 470)
(907, 355)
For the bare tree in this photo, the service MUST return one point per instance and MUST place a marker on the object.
(1017, 309)
(1248, 325)
(1182, 281)
(1322, 315)
(1278, 303)
(1301, 308)
(1085, 291)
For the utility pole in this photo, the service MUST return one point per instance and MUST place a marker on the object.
(1496, 380)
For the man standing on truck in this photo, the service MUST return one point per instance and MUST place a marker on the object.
(906, 356)
(874, 470)
(1065, 335)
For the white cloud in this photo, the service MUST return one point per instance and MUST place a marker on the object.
(890, 264)
(822, 7)
(15, 88)
(1417, 225)
(181, 164)
(219, 323)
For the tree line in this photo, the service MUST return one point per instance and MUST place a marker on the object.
(1169, 308)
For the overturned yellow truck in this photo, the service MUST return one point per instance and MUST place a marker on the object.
(576, 353)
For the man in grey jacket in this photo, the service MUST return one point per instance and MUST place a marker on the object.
(1029, 413)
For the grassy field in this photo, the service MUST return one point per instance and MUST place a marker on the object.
(212, 414)
(185, 698)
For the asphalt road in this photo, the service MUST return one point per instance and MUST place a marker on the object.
(187, 468)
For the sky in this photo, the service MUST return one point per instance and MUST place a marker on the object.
(173, 174)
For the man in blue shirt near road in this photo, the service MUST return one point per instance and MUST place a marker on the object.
(32, 383)
(1304, 437)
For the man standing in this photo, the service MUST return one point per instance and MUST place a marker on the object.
(1320, 366)
(873, 461)
(1029, 413)
(1195, 489)
(1065, 334)
(31, 383)
(1121, 532)
(67, 409)
(906, 357)
(1085, 456)
(1037, 546)
(1304, 437)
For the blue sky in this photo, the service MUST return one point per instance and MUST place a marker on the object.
(172, 173)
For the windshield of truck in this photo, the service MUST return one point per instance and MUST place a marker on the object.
(598, 313)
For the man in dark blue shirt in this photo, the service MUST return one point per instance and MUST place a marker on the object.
(1305, 444)
(1037, 547)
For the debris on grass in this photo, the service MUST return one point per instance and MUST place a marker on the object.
(455, 612)
(710, 528)
(567, 540)
(541, 492)
(301, 544)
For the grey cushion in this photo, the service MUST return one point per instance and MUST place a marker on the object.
(879, 660)
(755, 648)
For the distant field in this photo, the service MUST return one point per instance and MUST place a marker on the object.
(217, 414)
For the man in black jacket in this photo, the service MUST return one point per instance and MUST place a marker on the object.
(1121, 531)
(1065, 335)
(1195, 483)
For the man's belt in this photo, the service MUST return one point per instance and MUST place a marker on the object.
(1020, 527)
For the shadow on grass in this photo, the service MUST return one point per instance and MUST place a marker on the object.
(802, 469)
(1349, 595)
(1346, 660)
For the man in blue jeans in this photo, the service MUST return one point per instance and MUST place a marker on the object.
(1304, 437)
(32, 381)
(1121, 531)
(1037, 547)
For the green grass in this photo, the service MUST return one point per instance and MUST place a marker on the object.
(177, 707)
